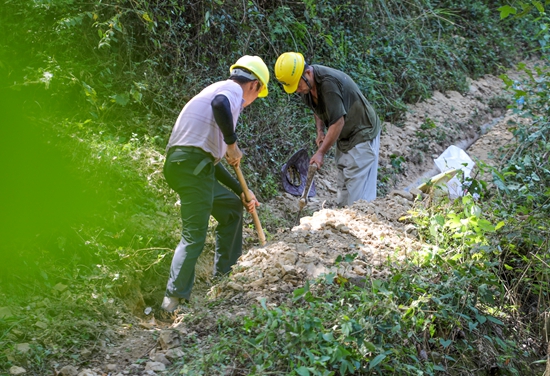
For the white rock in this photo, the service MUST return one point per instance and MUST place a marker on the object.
(87, 372)
(68, 371)
(169, 339)
(111, 367)
(175, 353)
(155, 366)
(15, 370)
(235, 286)
(161, 358)
(5, 312)
(23, 347)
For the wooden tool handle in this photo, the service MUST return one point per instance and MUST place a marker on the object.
(309, 180)
(257, 223)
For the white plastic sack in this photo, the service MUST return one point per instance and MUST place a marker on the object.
(455, 157)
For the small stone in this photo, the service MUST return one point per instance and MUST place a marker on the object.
(175, 353)
(43, 303)
(15, 370)
(41, 325)
(23, 347)
(87, 372)
(257, 283)
(60, 287)
(5, 312)
(235, 286)
(180, 328)
(345, 230)
(17, 332)
(161, 358)
(68, 371)
(408, 195)
(169, 339)
(154, 366)
(288, 268)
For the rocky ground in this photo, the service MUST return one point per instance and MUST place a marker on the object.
(476, 121)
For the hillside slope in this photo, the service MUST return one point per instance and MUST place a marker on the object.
(354, 242)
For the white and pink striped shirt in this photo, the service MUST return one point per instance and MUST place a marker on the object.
(196, 125)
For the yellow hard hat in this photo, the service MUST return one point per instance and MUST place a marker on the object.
(288, 70)
(256, 65)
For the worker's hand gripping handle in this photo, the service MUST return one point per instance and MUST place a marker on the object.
(257, 223)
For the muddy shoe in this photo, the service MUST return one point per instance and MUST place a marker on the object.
(170, 303)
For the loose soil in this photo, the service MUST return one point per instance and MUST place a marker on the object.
(476, 121)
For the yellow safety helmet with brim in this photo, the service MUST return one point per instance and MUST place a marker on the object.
(288, 70)
(256, 65)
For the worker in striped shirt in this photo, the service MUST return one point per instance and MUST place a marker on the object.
(203, 134)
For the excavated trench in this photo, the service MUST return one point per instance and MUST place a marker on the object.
(462, 144)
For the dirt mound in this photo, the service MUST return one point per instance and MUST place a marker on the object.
(352, 243)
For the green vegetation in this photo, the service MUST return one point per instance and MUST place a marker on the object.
(89, 92)
(425, 318)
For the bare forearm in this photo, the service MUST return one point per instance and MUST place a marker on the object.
(330, 139)
(327, 141)
(332, 135)
(319, 125)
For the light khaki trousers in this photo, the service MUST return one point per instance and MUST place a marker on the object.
(357, 172)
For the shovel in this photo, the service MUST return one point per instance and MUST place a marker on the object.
(257, 223)
(303, 200)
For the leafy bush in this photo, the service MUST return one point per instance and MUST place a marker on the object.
(426, 317)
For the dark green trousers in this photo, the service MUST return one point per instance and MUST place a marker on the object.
(190, 172)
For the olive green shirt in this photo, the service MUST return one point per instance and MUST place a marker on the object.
(339, 96)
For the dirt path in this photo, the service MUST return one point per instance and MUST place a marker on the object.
(371, 231)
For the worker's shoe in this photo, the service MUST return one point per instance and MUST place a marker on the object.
(170, 303)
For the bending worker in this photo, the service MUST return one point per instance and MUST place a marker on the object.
(204, 133)
(340, 108)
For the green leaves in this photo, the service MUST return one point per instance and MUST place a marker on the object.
(378, 359)
(445, 343)
(506, 10)
(121, 99)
